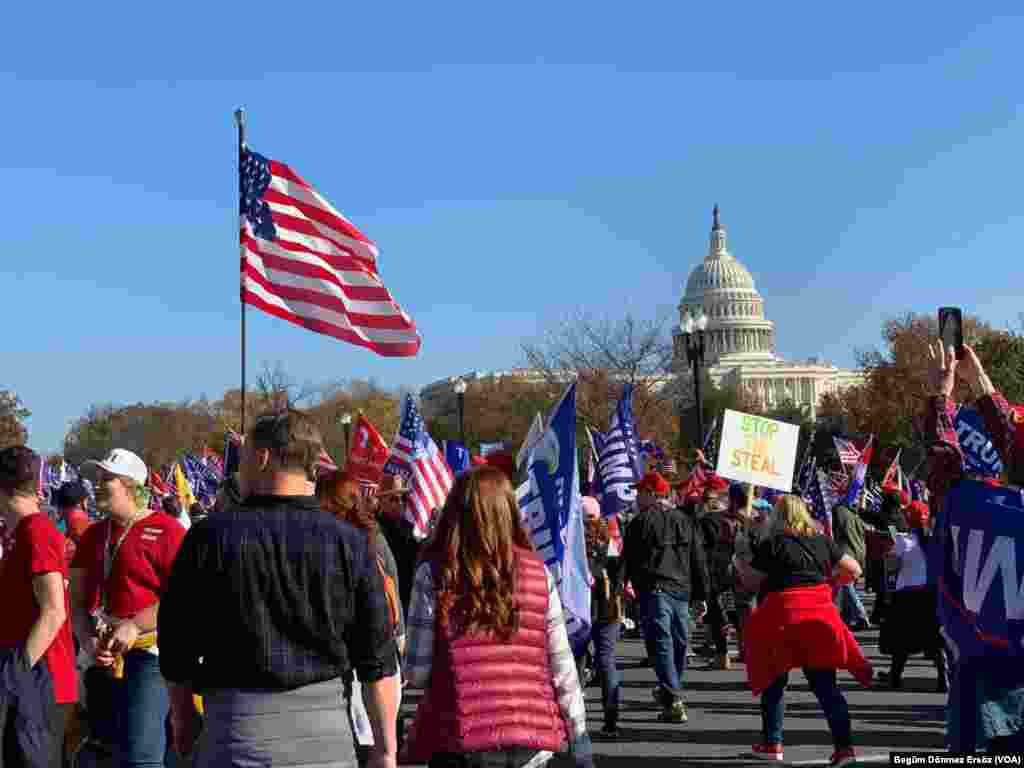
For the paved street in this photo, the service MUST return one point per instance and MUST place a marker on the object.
(725, 718)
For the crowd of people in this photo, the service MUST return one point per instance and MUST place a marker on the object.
(282, 627)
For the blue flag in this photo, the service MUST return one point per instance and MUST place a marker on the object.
(549, 502)
(980, 455)
(619, 463)
(457, 456)
(201, 477)
(977, 558)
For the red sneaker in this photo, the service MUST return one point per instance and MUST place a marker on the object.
(843, 757)
(768, 752)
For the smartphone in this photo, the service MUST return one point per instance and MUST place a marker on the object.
(951, 329)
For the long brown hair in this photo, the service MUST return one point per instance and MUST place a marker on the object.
(477, 534)
(329, 488)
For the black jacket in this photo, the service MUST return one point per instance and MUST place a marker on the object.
(606, 593)
(26, 707)
(665, 551)
(285, 596)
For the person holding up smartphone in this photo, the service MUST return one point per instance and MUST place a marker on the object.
(993, 690)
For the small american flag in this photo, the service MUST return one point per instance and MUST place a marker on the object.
(849, 454)
(822, 500)
(304, 262)
(416, 457)
(806, 474)
(840, 483)
(325, 463)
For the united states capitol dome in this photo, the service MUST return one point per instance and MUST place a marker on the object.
(723, 289)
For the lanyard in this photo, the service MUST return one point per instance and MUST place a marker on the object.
(109, 554)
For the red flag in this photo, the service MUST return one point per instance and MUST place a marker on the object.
(892, 473)
(368, 453)
(158, 486)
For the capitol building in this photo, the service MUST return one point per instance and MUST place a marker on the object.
(739, 350)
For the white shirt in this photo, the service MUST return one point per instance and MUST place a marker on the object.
(913, 566)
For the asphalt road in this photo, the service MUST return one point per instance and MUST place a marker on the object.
(725, 718)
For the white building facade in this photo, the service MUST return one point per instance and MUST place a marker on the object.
(740, 340)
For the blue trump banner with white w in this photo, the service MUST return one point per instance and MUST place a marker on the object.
(549, 502)
(977, 555)
(980, 455)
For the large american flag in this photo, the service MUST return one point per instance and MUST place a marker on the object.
(416, 457)
(304, 262)
(849, 454)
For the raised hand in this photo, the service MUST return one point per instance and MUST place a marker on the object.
(970, 367)
(942, 371)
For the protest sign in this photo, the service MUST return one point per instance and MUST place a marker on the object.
(757, 450)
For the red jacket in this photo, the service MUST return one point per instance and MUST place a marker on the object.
(487, 694)
(799, 628)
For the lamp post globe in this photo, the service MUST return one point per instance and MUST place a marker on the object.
(692, 330)
(460, 393)
(346, 425)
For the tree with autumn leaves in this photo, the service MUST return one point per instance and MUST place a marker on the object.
(889, 404)
(602, 356)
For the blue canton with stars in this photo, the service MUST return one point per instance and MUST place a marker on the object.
(253, 181)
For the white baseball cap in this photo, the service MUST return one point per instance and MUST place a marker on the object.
(123, 463)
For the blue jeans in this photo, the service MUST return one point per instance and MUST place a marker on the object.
(850, 607)
(141, 705)
(606, 638)
(667, 632)
(823, 683)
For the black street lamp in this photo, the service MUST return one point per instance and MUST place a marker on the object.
(460, 393)
(346, 424)
(692, 331)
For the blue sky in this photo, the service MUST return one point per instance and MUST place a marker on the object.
(512, 164)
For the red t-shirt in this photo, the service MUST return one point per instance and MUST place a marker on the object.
(77, 524)
(37, 548)
(140, 568)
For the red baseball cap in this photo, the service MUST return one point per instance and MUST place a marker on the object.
(654, 483)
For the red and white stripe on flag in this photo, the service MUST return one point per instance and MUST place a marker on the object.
(325, 463)
(430, 480)
(320, 272)
(849, 454)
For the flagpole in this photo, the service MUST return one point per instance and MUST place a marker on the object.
(240, 122)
